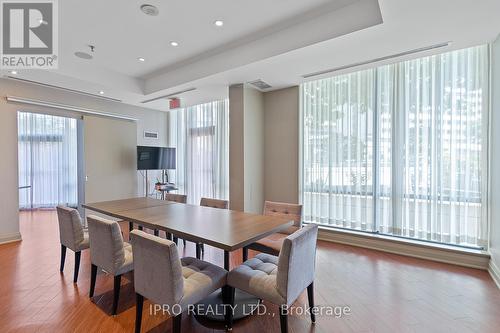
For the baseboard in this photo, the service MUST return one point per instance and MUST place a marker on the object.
(494, 271)
(9, 238)
(441, 253)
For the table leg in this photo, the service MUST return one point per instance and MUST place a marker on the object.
(226, 260)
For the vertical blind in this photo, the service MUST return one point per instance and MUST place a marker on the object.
(48, 167)
(201, 135)
(400, 149)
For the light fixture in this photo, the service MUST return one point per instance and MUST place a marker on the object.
(149, 10)
(101, 92)
(174, 43)
(141, 59)
(13, 72)
(219, 23)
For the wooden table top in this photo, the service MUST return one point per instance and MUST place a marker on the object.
(226, 229)
(116, 206)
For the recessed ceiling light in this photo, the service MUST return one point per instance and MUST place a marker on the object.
(173, 43)
(141, 59)
(101, 92)
(13, 72)
(219, 23)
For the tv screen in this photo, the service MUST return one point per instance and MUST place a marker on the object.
(148, 158)
(155, 158)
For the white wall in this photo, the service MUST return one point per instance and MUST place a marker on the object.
(246, 149)
(254, 151)
(150, 120)
(495, 160)
(281, 128)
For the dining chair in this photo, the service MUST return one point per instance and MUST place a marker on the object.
(179, 198)
(279, 280)
(164, 279)
(273, 243)
(72, 236)
(214, 203)
(109, 252)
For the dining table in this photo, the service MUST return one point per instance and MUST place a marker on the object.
(226, 229)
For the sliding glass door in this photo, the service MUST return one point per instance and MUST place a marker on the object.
(400, 149)
(48, 161)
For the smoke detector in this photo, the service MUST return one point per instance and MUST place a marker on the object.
(149, 10)
(259, 84)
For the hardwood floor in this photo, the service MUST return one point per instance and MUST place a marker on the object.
(385, 292)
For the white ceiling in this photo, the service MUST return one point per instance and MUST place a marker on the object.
(277, 41)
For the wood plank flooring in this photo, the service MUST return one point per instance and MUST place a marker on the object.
(385, 292)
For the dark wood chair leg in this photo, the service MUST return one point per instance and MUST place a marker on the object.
(176, 240)
(202, 248)
(184, 242)
(283, 319)
(63, 257)
(198, 251)
(176, 324)
(130, 226)
(116, 293)
(245, 253)
(229, 309)
(156, 232)
(168, 235)
(77, 266)
(139, 301)
(93, 276)
(310, 297)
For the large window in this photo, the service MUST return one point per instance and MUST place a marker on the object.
(400, 149)
(200, 134)
(48, 168)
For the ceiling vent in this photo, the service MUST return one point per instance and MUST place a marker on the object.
(149, 10)
(259, 84)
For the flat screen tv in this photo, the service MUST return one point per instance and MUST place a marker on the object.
(155, 158)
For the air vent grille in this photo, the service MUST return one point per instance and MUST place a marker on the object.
(259, 84)
(151, 135)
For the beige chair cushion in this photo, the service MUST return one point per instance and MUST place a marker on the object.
(107, 248)
(280, 280)
(71, 233)
(272, 244)
(257, 276)
(200, 280)
(163, 278)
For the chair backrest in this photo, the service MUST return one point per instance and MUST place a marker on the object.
(292, 212)
(106, 244)
(296, 263)
(70, 227)
(157, 268)
(214, 203)
(180, 198)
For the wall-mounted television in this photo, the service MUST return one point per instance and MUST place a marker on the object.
(155, 158)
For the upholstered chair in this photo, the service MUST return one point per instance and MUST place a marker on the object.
(279, 280)
(179, 198)
(272, 244)
(72, 236)
(164, 279)
(214, 203)
(109, 252)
